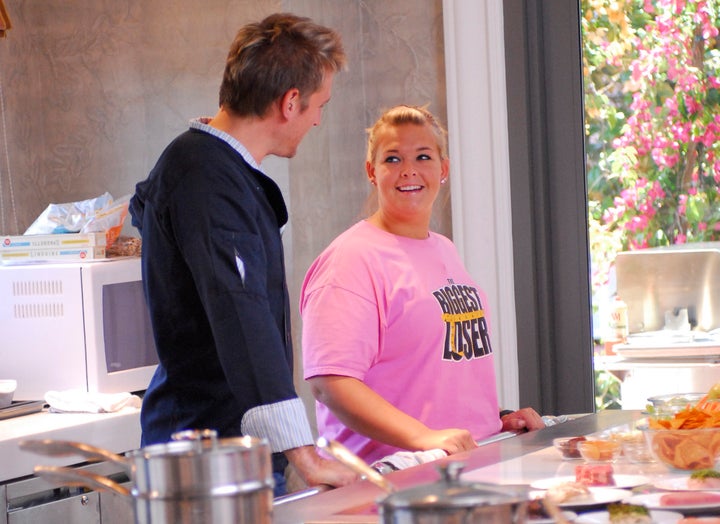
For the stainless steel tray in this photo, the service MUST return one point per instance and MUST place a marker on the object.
(21, 407)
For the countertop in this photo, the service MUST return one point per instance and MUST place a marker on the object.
(117, 432)
(517, 460)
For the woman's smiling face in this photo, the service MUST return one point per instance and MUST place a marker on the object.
(408, 170)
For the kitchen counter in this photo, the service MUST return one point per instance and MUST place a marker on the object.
(517, 460)
(117, 432)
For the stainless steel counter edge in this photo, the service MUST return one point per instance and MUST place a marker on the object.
(348, 504)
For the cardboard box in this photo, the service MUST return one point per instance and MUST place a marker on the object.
(66, 253)
(62, 240)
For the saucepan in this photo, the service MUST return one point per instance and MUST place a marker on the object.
(448, 501)
(194, 478)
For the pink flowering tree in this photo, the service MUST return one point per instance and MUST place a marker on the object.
(652, 110)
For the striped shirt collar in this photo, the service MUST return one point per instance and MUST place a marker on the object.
(202, 123)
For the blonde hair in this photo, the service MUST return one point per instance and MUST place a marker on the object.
(404, 114)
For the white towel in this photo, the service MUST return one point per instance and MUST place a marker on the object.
(77, 401)
(408, 459)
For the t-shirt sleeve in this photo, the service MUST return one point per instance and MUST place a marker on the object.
(341, 331)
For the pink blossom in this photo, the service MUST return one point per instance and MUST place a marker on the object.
(682, 205)
(638, 243)
(708, 138)
(629, 197)
(637, 223)
(692, 105)
(657, 191)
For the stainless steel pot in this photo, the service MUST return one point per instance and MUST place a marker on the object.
(448, 501)
(196, 478)
(451, 501)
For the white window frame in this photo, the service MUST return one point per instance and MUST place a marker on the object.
(480, 171)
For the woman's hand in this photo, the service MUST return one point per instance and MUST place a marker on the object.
(449, 440)
(364, 411)
(525, 419)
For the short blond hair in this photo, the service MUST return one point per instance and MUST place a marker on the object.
(404, 114)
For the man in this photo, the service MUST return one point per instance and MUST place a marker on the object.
(212, 254)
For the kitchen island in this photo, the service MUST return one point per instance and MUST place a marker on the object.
(117, 432)
(28, 499)
(519, 460)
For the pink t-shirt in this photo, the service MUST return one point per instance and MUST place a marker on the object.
(403, 316)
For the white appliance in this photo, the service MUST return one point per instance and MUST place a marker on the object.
(673, 298)
(82, 325)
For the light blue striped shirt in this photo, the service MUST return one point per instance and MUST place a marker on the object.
(203, 124)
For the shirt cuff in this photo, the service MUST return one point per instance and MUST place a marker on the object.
(284, 424)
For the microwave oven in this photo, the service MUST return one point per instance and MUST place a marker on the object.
(80, 325)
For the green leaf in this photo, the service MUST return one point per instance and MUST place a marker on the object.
(695, 209)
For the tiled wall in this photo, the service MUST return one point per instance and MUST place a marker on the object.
(93, 90)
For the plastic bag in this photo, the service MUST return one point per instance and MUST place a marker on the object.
(102, 213)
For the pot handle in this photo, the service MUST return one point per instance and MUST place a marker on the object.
(358, 465)
(197, 436)
(61, 448)
(80, 478)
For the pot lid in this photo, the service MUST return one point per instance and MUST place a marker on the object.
(198, 464)
(198, 442)
(450, 492)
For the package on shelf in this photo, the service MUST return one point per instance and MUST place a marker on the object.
(48, 241)
(62, 253)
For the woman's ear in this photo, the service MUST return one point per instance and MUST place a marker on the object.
(444, 170)
(370, 170)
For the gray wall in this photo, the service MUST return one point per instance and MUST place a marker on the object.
(93, 90)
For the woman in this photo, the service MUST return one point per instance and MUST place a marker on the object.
(395, 338)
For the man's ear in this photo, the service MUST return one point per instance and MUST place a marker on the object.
(290, 103)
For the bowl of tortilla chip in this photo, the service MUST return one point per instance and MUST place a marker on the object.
(687, 440)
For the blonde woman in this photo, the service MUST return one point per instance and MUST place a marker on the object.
(396, 345)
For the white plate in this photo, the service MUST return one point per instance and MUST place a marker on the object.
(676, 484)
(652, 501)
(570, 516)
(596, 497)
(601, 517)
(621, 481)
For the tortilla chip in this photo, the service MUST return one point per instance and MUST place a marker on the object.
(691, 455)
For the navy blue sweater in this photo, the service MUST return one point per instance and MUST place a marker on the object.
(214, 279)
